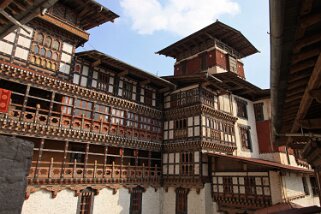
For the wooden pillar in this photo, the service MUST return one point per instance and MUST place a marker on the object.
(121, 152)
(105, 160)
(51, 107)
(39, 157)
(86, 160)
(25, 100)
(63, 165)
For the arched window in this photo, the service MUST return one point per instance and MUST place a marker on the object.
(42, 52)
(55, 45)
(38, 61)
(43, 63)
(49, 53)
(39, 38)
(53, 66)
(33, 59)
(48, 41)
(49, 65)
(54, 56)
(36, 49)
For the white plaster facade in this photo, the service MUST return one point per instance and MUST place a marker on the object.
(41, 202)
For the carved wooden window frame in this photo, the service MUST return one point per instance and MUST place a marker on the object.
(136, 198)
(258, 111)
(181, 200)
(86, 201)
(241, 108)
(245, 137)
(39, 51)
(186, 163)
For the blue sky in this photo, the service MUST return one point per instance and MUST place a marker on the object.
(147, 26)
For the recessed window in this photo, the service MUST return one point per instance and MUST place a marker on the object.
(228, 185)
(86, 201)
(258, 110)
(241, 108)
(245, 136)
(136, 200)
(181, 200)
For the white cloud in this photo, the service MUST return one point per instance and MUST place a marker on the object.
(178, 16)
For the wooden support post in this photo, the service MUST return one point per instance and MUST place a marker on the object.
(86, 160)
(39, 157)
(37, 113)
(105, 160)
(149, 164)
(121, 161)
(25, 100)
(50, 167)
(112, 169)
(74, 169)
(95, 169)
(51, 107)
(63, 166)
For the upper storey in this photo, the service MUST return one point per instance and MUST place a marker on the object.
(71, 15)
(216, 48)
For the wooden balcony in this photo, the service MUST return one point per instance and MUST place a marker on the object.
(35, 121)
(93, 173)
(242, 200)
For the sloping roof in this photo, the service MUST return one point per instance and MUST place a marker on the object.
(295, 67)
(224, 81)
(217, 30)
(91, 13)
(102, 58)
(265, 163)
(21, 11)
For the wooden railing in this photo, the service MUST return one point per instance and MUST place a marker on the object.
(46, 171)
(45, 117)
(242, 200)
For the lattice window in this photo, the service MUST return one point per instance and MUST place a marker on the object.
(127, 90)
(245, 136)
(136, 200)
(228, 185)
(258, 110)
(45, 51)
(241, 108)
(83, 107)
(117, 116)
(187, 163)
(148, 97)
(181, 200)
(250, 185)
(314, 186)
(86, 201)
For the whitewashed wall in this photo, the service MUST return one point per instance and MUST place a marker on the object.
(250, 121)
(293, 186)
(276, 190)
(106, 201)
(41, 202)
(169, 201)
(151, 201)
